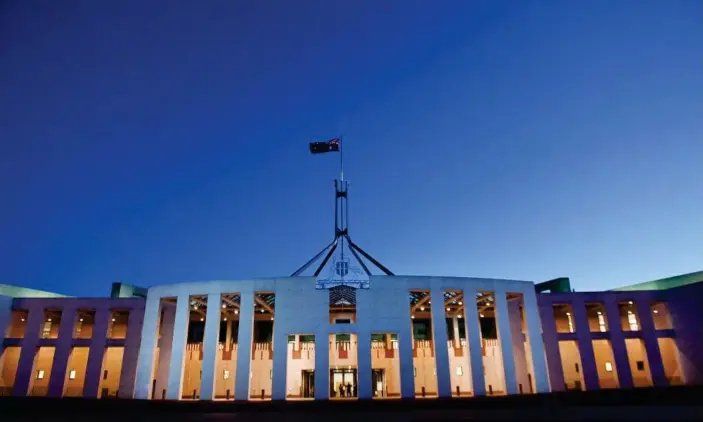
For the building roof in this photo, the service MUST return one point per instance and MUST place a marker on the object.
(665, 283)
(15, 291)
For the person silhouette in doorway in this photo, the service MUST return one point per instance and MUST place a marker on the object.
(349, 390)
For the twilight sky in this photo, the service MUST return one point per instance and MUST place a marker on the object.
(157, 142)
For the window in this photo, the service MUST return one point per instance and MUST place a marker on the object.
(632, 320)
(608, 367)
(571, 322)
(601, 322)
(72, 374)
(342, 321)
(225, 374)
(104, 375)
(576, 366)
(40, 374)
(414, 371)
(459, 370)
(640, 365)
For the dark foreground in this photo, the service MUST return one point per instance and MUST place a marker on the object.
(676, 403)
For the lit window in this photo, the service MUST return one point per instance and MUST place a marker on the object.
(601, 322)
(632, 320)
(414, 372)
(459, 370)
(72, 374)
(40, 374)
(608, 367)
(571, 322)
(225, 374)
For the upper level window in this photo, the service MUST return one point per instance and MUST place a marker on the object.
(596, 317)
(629, 320)
(661, 316)
(632, 320)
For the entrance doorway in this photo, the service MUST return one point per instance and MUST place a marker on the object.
(308, 384)
(343, 383)
(378, 380)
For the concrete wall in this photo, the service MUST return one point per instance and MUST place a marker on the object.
(686, 315)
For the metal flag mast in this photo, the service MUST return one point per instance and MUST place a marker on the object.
(341, 229)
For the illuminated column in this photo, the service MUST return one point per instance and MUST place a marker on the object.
(210, 343)
(518, 344)
(246, 325)
(364, 365)
(649, 336)
(147, 347)
(617, 342)
(30, 342)
(174, 391)
(585, 343)
(228, 335)
(322, 365)
(473, 334)
(551, 345)
(62, 352)
(506, 344)
(439, 328)
(165, 346)
(131, 353)
(280, 360)
(407, 367)
(534, 336)
(96, 353)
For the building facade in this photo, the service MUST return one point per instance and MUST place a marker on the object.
(404, 336)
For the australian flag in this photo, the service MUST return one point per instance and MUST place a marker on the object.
(327, 146)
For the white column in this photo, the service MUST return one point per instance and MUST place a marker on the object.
(534, 336)
(363, 359)
(145, 361)
(441, 354)
(174, 391)
(407, 366)
(506, 344)
(210, 342)
(246, 326)
(518, 345)
(131, 352)
(473, 334)
(322, 365)
(280, 360)
(96, 354)
(62, 352)
(165, 346)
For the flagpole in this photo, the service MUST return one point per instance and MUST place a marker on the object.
(341, 159)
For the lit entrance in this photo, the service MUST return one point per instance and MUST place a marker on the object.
(308, 384)
(378, 380)
(343, 383)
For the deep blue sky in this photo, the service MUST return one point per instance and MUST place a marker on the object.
(156, 142)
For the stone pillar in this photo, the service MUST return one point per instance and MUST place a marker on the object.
(62, 353)
(617, 342)
(407, 366)
(505, 336)
(365, 387)
(651, 345)
(210, 343)
(25, 366)
(551, 345)
(439, 328)
(165, 345)
(534, 337)
(93, 372)
(145, 362)
(518, 345)
(455, 331)
(246, 328)
(322, 365)
(473, 334)
(228, 334)
(585, 343)
(280, 363)
(128, 375)
(180, 337)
